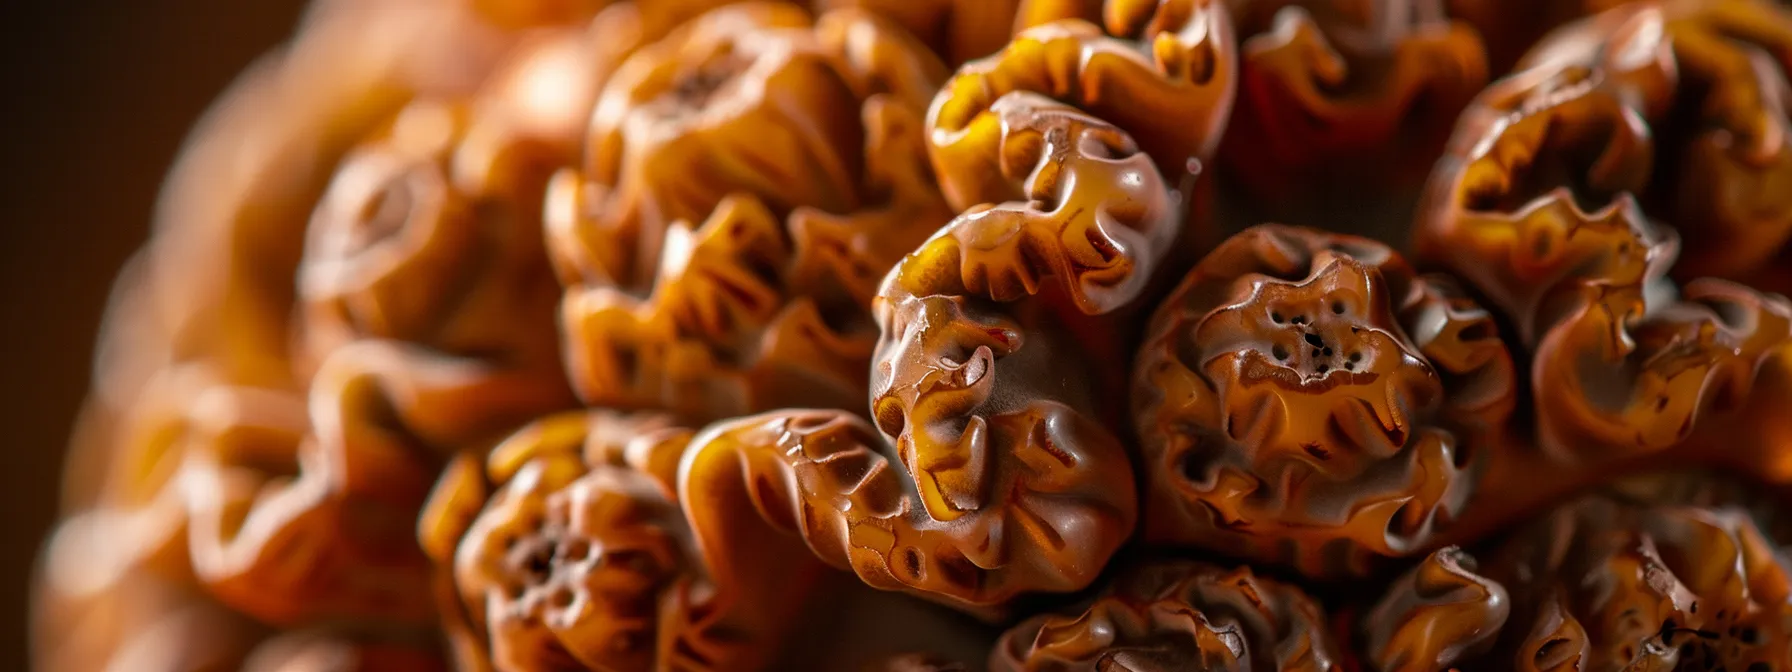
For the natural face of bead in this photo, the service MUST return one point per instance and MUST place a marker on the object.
(1315, 369)
(1304, 398)
(1170, 615)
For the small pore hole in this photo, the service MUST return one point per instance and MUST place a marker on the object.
(1275, 317)
(1193, 468)
(383, 215)
(911, 562)
(1547, 653)
(577, 549)
(561, 598)
(1404, 523)
(890, 417)
(1541, 247)
(624, 642)
(1337, 307)
(1280, 353)
(539, 564)
(1481, 330)
(1462, 455)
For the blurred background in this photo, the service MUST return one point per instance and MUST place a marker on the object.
(98, 96)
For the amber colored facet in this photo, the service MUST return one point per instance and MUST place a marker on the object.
(1709, 79)
(963, 30)
(478, 355)
(1343, 106)
(729, 169)
(1618, 581)
(1306, 398)
(293, 506)
(1011, 486)
(242, 195)
(527, 13)
(960, 383)
(1509, 28)
(1178, 616)
(581, 551)
(242, 192)
(1437, 616)
(1161, 72)
(395, 221)
(1544, 206)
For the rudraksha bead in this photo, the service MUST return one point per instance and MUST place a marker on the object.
(1306, 398)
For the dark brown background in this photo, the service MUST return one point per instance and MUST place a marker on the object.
(97, 96)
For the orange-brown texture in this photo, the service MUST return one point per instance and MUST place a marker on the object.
(835, 304)
(570, 551)
(601, 540)
(1305, 398)
(632, 20)
(240, 196)
(241, 199)
(963, 30)
(326, 651)
(1343, 105)
(1543, 206)
(1437, 616)
(1162, 72)
(291, 509)
(1508, 28)
(960, 384)
(215, 288)
(1177, 616)
(131, 620)
(1635, 580)
(1710, 81)
(401, 376)
(746, 182)
(1007, 484)
(143, 622)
